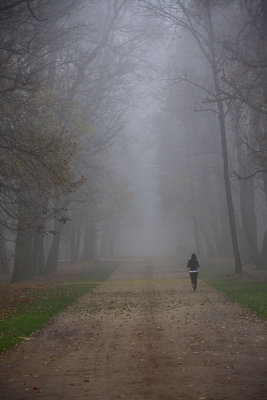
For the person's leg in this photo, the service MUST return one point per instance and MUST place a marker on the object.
(192, 279)
(195, 280)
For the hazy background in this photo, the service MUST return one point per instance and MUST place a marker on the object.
(132, 128)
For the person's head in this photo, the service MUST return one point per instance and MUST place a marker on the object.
(193, 256)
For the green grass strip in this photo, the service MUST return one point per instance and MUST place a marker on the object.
(247, 292)
(46, 303)
(250, 292)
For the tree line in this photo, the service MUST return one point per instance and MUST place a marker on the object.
(216, 186)
(62, 98)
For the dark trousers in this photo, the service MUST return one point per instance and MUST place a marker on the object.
(193, 276)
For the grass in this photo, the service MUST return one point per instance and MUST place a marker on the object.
(31, 305)
(248, 289)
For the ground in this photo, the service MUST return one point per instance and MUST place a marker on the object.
(143, 334)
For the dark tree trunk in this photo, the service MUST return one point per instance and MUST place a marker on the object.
(38, 245)
(225, 234)
(249, 221)
(263, 255)
(23, 266)
(52, 260)
(3, 256)
(226, 173)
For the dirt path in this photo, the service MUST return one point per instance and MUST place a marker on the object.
(142, 335)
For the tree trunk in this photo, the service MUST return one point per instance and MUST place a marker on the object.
(226, 173)
(3, 256)
(52, 260)
(249, 222)
(38, 244)
(23, 266)
(263, 256)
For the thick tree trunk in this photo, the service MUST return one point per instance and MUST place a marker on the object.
(38, 245)
(52, 260)
(23, 266)
(3, 256)
(228, 190)
(249, 221)
(225, 235)
(75, 243)
(263, 256)
(226, 173)
(194, 214)
(38, 253)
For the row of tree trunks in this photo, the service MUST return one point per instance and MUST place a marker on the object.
(29, 249)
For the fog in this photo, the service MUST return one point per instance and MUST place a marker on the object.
(132, 129)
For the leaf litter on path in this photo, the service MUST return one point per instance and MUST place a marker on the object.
(144, 335)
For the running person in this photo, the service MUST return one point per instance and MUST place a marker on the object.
(193, 265)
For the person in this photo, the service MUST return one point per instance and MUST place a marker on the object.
(193, 265)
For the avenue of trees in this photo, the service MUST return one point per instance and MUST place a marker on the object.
(67, 73)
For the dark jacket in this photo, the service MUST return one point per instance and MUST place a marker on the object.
(193, 264)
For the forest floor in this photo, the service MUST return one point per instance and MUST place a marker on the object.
(143, 334)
